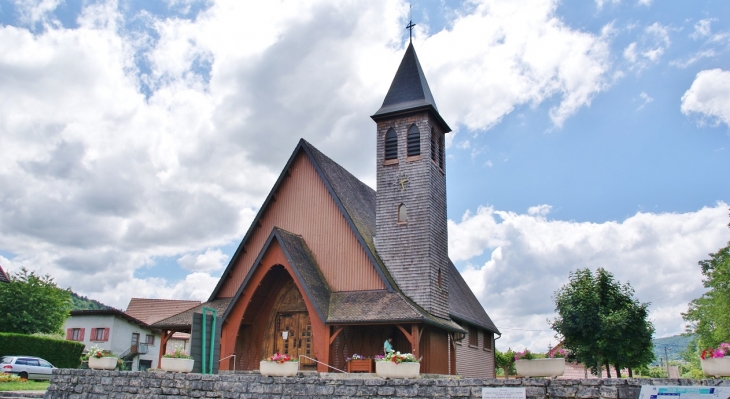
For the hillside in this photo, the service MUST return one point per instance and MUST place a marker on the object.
(84, 303)
(675, 345)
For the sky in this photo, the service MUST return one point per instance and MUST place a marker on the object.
(138, 139)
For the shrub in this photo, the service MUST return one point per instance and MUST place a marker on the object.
(61, 353)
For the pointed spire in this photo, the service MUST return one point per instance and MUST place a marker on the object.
(409, 90)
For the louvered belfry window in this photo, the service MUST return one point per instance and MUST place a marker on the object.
(414, 141)
(434, 145)
(391, 145)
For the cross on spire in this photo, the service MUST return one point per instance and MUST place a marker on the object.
(410, 24)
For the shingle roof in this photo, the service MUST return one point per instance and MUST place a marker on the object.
(3, 277)
(184, 320)
(464, 305)
(409, 90)
(151, 310)
(111, 312)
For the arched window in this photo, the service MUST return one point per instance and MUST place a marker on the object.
(402, 214)
(434, 145)
(414, 141)
(391, 145)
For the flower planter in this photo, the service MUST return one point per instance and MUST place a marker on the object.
(716, 367)
(103, 363)
(178, 365)
(274, 369)
(388, 369)
(540, 367)
(360, 366)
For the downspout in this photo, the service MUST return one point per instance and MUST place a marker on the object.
(494, 358)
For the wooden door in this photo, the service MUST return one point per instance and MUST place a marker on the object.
(298, 330)
(135, 341)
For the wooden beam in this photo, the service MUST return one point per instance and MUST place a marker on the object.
(337, 332)
(164, 337)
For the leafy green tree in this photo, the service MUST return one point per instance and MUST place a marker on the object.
(32, 304)
(709, 315)
(505, 361)
(602, 323)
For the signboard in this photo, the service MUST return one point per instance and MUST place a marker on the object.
(505, 393)
(683, 392)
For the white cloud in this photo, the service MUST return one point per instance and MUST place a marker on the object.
(649, 47)
(646, 3)
(645, 99)
(702, 28)
(532, 255)
(601, 3)
(709, 95)
(211, 260)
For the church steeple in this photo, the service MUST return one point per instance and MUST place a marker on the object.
(411, 231)
(409, 91)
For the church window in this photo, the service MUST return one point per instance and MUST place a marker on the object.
(391, 145)
(402, 214)
(439, 278)
(414, 141)
(434, 146)
(473, 336)
(441, 151)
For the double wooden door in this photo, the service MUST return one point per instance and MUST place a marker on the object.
(294, 336)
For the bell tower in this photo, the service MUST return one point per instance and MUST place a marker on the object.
(411, 230)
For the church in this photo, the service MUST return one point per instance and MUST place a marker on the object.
(330, 268)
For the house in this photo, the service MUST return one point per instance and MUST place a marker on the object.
(131, 339)
(330, 267)
(3, 277)
(150, 311)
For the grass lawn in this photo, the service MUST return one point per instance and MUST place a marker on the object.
(24, 386)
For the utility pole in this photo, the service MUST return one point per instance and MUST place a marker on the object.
(666, 360)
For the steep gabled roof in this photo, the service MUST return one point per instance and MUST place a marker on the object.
(3, 277)
(151, 310)
(111, 312)
(305, 269)
(354, 198)
(409, 91)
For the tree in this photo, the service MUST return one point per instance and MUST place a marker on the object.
(709, 315)
(602, 323)
(505, 361)
(32, 304)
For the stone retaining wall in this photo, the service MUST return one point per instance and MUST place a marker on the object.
(88, 384)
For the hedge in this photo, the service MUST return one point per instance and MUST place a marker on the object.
(62, 354)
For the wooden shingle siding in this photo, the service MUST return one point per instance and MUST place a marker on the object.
(303, 206)
(415, 251)
(475, 362)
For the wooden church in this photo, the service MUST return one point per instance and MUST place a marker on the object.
(330, 268)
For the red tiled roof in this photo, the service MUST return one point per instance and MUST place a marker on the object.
(153, 310)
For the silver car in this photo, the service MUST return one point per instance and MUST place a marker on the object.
(28, 367)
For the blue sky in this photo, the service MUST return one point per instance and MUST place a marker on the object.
(140, 138)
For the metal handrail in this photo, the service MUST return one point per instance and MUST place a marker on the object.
(234, 360)
(315, 360)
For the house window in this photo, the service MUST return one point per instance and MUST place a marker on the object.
(75, 334)
(150, 339)
(402, 214)
(473, 336)
(391, 145)
(100, 334)
(414, 141)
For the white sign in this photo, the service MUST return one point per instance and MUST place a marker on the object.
(504, 393)
(683, 392)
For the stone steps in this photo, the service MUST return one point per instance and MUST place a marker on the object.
(21, 394)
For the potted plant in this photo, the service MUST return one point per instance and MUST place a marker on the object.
(101, 359)
(397, 365)
(178, 361)
(359, 363)
(714, 362)
(279, 365)
(528, 365)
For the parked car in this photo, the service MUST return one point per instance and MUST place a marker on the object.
(28, 367)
